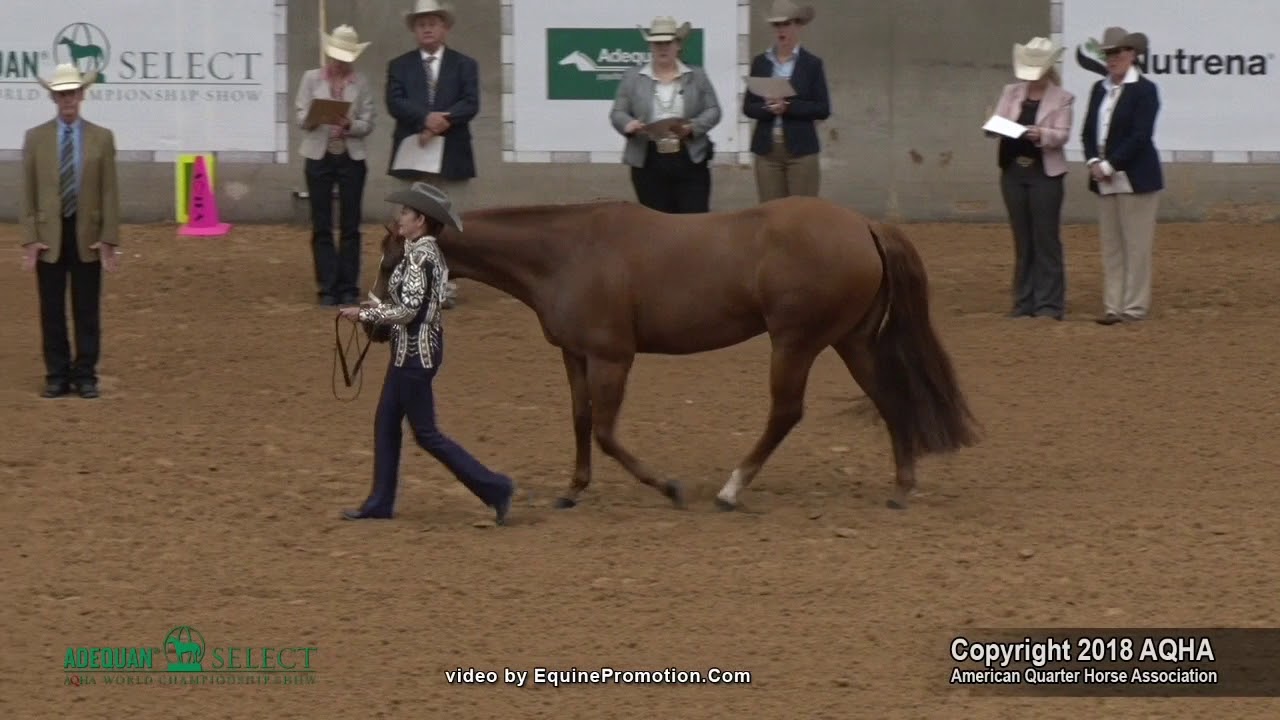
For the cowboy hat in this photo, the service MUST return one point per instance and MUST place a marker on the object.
(787, 11)
(67, 77)
(429, 7)
(1033, 60)
(428, 200)
(664, 29)
(1118, 37)
(344, 44)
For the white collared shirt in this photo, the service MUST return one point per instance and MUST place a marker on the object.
(782, 70)
(435, 63)
(1108, 106)
(668, 98)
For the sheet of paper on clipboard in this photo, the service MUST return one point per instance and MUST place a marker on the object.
(1004, 126)
(771, 87)
(413, 156)
(326, 112)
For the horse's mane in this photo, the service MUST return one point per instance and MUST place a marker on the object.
(537, 211)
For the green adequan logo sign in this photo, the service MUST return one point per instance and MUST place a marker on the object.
(587, 63)
(184, 658)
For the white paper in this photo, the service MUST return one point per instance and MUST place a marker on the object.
(412, 156)
(1005, 127)
(1119, 184)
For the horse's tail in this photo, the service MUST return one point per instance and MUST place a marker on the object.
(917, 392)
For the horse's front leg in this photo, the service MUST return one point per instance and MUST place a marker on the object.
(576, 367)
(607, 382)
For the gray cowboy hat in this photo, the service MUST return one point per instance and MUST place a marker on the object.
(787, 11)
(430, 201)
(1118, 37)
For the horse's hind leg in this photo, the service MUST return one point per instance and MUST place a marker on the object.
(576, 368)
(607, 380)
(855, 350)
(788, 375)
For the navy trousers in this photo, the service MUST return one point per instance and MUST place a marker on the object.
(406, 393)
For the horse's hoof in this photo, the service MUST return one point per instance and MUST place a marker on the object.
(673, 491)
(895, 505)
(725, 505)
(565, 503)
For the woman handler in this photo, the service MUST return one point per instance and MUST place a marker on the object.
(415, 296)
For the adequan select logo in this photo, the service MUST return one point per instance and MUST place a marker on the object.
(1179, 62)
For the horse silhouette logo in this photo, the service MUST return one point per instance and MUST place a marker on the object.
(184, 649)
(84, 45)
(583, 63)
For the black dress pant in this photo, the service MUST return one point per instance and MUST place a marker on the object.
(86, 291)
(1034, 203)
(337, 267)
(672, 183)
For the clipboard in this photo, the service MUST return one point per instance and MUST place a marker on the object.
(324, 111)
(1119, 184)
(770, 87)
(663, 127)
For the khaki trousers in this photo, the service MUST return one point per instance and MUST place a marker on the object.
(1126, 229)
(781, 174)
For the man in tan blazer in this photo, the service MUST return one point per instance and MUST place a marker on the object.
(70, 223)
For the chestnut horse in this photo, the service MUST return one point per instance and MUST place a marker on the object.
(608, 280)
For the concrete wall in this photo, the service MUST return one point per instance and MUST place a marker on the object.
(910, 81)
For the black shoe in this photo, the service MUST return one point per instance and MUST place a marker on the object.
(88, 390)
(55, 389)
(363, 514)
(503, 507)
(1109, 319)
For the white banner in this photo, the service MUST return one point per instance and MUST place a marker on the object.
(1214, 65)
(176, 75)
(566, 57)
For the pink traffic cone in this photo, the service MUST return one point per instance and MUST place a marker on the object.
(202, 214)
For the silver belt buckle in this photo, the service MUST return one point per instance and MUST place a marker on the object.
(1024, 161)
(668, 145)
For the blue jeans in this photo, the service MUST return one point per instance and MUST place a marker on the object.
(406, 392)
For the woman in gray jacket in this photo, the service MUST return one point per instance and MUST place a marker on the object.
(665, 109)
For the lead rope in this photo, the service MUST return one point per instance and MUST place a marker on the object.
(350, 376)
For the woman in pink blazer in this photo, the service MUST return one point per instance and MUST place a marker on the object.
(1032, 169)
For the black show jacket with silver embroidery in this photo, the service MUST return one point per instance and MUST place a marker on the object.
(415, 296)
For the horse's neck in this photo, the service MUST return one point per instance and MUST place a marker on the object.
(516, 258)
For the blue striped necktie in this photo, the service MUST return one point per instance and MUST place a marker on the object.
(67, 175)
(427, 66)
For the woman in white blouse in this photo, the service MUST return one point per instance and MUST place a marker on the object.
(669, 162)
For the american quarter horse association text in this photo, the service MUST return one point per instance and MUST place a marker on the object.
(609, 280)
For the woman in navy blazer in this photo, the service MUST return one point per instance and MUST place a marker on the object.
(785, 141)
(1125, 173)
